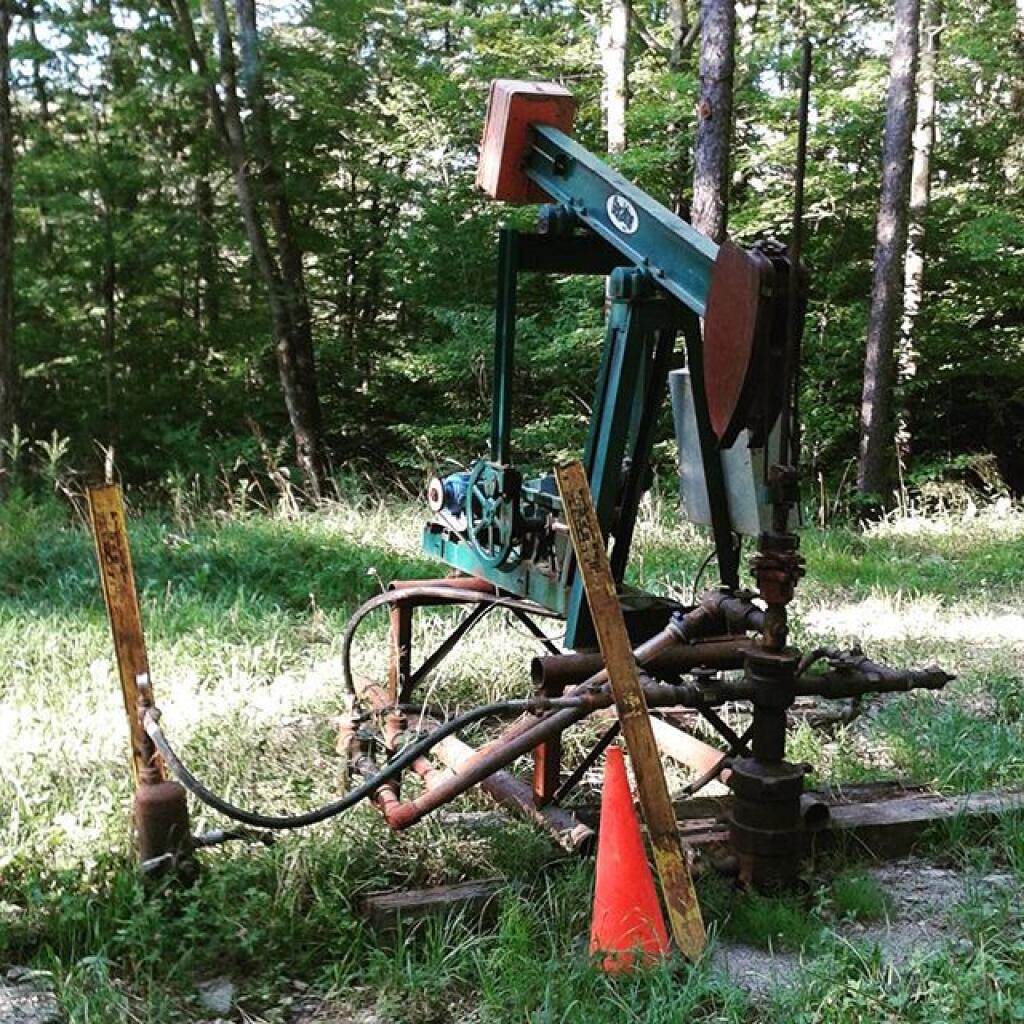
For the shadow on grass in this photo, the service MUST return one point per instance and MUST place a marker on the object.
(47, 562)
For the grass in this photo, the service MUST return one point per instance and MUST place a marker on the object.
(244, 615)
(857, 896)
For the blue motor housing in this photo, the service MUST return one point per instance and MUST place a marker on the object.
(448, 494)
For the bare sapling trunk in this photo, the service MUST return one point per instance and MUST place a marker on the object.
(714, 118)
(1018, 47)
(615, 61)
(1013, 161)
(301, 390)
(7, 363)
(684, 35)
(920, 195)
(108, 291)
(877, 426)
(207, 285)
(258, 201)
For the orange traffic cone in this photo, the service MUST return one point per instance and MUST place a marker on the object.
(627, 921)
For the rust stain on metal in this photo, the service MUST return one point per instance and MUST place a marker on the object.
(106, 509)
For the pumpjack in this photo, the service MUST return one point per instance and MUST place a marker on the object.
(502, 530)
(739, 315)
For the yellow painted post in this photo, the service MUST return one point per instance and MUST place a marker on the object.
(160, 810)
(106, 508)
(684, 914)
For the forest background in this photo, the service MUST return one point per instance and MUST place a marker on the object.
(149, 300)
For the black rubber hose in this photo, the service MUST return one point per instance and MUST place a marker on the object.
(446, 594)
(151, 723)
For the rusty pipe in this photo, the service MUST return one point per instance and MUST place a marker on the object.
(702, 758)
(463, 583)
(525, 734)
(737, 611)
(463, 762)
(691, 640)
(645, 652)
(516, 795)
(555, 672)
(687, 749)
(385, 799)
(852, 674)
(814, 811)
(481, 763)
(530, 730)
(427, 771)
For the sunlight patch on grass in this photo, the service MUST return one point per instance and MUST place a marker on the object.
(1001, 520)
(889, 617)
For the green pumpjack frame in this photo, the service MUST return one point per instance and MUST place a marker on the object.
(659, 270)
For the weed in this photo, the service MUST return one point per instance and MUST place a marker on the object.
(856, 896)
(772, 922)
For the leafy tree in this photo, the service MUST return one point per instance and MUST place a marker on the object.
(145, 320)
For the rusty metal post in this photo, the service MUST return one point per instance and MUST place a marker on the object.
(399, 651)
(547, 760)
(767, 821)
(160, 806)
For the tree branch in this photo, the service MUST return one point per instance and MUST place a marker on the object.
(647, 37)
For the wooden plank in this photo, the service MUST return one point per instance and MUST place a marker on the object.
(592, 561)
(390, 914)
(890, 828)
(836, 796)
(885, 828)
(106, 508)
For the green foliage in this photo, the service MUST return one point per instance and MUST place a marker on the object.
(857, 896)
(772, 922)
(142, 324)
(953, 748)
(855, 986)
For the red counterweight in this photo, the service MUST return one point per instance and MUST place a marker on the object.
(511, 108)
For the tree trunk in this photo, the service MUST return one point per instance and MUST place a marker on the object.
(207, 288)
(615, 59)
(42, 99)
(108, 290)
(683, 37)
(1013, 161)
(714, 118)
(289, 311)
(1018, 47)
(7, 363)
(679, 24)
(877, 432)
(920, 193)
(38, 80)
(305, 400)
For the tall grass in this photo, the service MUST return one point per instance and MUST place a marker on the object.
(243, 614)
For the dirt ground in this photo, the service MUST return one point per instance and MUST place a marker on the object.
(920, 897)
